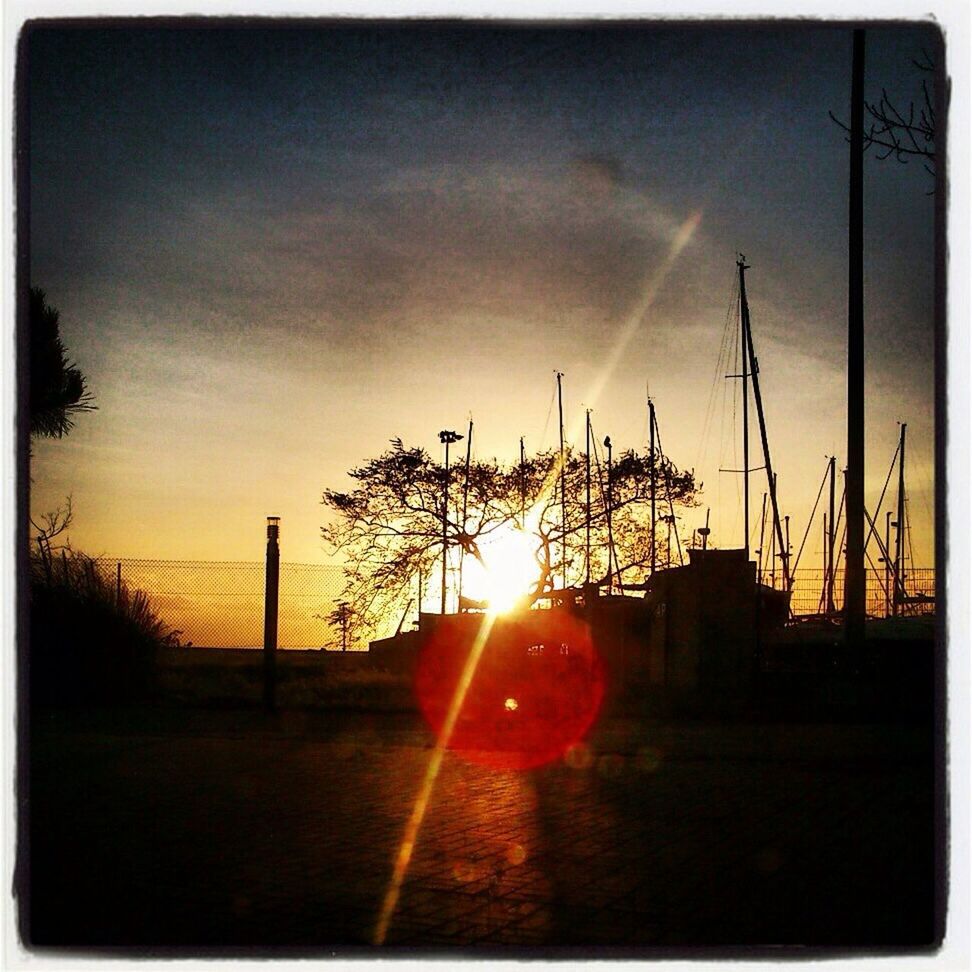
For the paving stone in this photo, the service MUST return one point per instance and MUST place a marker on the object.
(206, 839)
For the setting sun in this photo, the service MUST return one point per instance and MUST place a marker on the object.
(510, 570)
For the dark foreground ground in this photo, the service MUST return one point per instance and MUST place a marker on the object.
(177, 827)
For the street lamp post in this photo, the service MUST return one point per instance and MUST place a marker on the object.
(270, 603)
(446, 437)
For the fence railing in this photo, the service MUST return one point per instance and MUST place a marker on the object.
(220, 604)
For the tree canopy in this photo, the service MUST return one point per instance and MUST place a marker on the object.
(58, 389)
(389, 527)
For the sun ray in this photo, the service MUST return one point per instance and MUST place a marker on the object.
(414, 825)
(650, 292)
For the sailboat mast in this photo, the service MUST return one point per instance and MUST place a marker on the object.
(824, 602)
(744, 343)
(587, 538)
(762, 538)
(651, 473)
(900, 533)
(773, 558)
(612, 560)
(563, 486)
(831, 538)
(771, 478)
(888, 569)
(522, 486)
(465, 504)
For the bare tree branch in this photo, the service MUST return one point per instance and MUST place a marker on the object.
(901, 134)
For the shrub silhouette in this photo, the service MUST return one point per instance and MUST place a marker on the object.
(90, 641)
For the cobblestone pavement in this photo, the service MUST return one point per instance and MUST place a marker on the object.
(183, 830)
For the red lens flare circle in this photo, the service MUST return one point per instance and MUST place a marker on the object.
(534, 693)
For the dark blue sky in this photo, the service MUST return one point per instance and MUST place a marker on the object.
(274, 249)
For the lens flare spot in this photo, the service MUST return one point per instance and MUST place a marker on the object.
(516, 854)
(555, 696)
(465, 872)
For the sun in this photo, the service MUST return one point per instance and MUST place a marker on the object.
(510, 570)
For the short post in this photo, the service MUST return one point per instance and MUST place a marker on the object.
(270, 614)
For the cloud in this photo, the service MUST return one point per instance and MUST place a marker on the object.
(418, 247)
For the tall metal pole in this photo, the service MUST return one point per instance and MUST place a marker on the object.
(831, 538)
(270, 602)
(651, 473)
(522, 486)
(854, 578)
(743, 329)
(899, 587)
(465, 503)
(563, 488)
(446, 437)
(587, 537)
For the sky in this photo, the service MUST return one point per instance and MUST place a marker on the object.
(274, 250)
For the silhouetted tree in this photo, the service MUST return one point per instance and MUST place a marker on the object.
(58, 390)
(389, 527)
(904, 134)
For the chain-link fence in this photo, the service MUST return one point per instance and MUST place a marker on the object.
(810, 596)
(220, 604)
